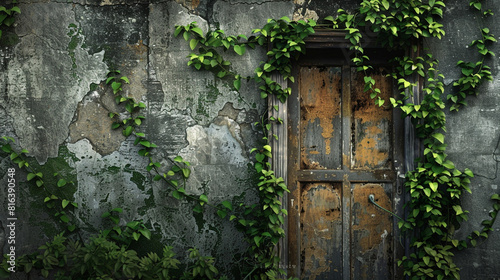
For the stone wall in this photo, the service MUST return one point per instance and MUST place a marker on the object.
(54, 103)
(473, 133)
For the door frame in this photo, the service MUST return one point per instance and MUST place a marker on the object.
(406, 149)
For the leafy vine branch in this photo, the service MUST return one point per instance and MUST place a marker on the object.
(435, 186)
(7, 18)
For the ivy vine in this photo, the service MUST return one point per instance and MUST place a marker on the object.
(7, 17)
(435, 186)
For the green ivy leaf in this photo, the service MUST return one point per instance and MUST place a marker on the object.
(227, 204)
(385, 3)
(116, 86)
(125, 79)
(433, 186)
(178, 30)
(458, 209)
(198, 209)
(198, 31)
(186, 172)
(136, 236)
(177, 195)
(222, 214)
(204, 198)
(239, 49)
(439, 137)
(178, 159)
(193, 43)
(65, 203)
(468, 172)
(61, 183)
(394, 30)
(427, 192)
(221, 74)
(146, 233)
(257, 240)
(31, 176)
(157, 177)
(128, 130)
(237, 84)
(64, 218)
(258, 167)
(260, 157)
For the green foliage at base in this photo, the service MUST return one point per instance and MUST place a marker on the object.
(102, 258)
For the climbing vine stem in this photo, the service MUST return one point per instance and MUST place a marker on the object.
(436, 185)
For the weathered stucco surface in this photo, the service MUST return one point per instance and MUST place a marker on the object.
(54, 103)
(473, 133)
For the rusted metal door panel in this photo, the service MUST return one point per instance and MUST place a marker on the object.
(320, 123)
(372, 124)
(371, 233)
(321, 231)
(340, 151)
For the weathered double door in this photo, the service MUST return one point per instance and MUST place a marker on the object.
(341, 149)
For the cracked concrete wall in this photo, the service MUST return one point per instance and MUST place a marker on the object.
(55, 104)
(473, 133)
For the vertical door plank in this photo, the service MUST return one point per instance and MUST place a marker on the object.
(321, 231)
(320, 117)
(371, 233)
(372, 128)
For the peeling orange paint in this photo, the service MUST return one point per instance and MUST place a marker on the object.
(372, 129)
(370, 223)
(320, 92)
(321, 229)
(332, 223)
(368, 153)
(371, 232)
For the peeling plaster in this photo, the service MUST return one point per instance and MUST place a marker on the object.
(189, 4)
(92, 122)
(44, 103)
(218, 144)
(104, 181)
(302, 14)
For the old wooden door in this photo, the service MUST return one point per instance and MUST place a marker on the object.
(342, 148)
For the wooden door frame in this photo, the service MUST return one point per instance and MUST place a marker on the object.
(406, 149)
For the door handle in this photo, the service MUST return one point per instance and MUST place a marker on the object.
(371, 198)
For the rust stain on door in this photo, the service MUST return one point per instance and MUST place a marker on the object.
(340, 135)
(321, 231)
(371, 233)
(320, 111)
(371, 129)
